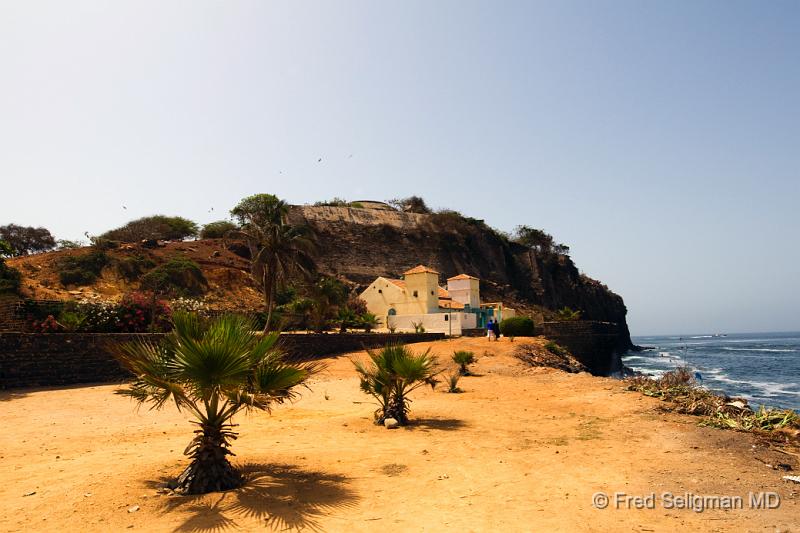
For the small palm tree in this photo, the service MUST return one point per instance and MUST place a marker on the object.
(452, 382)
(568, 314)
(463, 359)
(369, 321)
(213, 371)
(391, 374)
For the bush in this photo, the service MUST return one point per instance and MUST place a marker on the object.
(412, 204)
(25, 240)
(63, 244)
(452, 382)
(81, 269)
(518, 326)
(567, 314)
(217, 230)
(555, 349)
(132, 268)
(157, 227)
(10, 278)
(140, 312)
(463, 359)
(176, 277)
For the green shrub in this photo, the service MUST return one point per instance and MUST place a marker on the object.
(132, 268)
(452, 382)
(463, 359)
(81, 269)
(217, 230)
(158, 227)
(568, 314)
(555, 349)
(176, 277)
(10, 278)
(518, 326)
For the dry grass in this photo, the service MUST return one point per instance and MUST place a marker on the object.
(718, 410)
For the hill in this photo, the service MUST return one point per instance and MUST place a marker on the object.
(357, 244)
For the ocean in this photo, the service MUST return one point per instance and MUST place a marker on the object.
(762, 367)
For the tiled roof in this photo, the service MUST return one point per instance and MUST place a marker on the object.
(462, 276)
(399, 282)
(450, 304)
(443, 293)
(419, 269)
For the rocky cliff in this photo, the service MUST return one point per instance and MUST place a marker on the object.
(360, 244)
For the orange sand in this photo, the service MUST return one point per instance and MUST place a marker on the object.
(520, 450)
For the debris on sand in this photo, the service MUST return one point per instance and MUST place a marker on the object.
(558, 358)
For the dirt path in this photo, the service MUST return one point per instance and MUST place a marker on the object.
(520, 450)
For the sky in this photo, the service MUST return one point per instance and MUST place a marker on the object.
(659, 140)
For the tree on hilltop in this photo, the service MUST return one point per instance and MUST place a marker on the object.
(156, 227)
(26, 240)
(277, 248)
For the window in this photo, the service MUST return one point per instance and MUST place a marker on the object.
(431, 293)
(446, 318)
(415, 294)
(380, 291)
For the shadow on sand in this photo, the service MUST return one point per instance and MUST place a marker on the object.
(13, 394)
(439, 424)
(279, 496)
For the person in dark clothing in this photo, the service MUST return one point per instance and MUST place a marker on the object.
(496, 330)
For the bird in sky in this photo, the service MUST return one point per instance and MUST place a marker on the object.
(319, 160)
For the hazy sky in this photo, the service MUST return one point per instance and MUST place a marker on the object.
(660, 140)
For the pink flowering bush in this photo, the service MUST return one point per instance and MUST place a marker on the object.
(141, 312)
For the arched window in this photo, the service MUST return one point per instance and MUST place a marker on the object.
(392, 311)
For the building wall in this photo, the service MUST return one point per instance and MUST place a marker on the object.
(381, 296)
(447, 323)
(466, 291)
(426, 285)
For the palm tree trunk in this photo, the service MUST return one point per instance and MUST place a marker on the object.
(210, 470)
(396, 408)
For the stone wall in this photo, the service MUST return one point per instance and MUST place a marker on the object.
(9, 317)
(595, 344)
(37, 360)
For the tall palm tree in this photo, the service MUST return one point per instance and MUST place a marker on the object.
(277, 248)
(391, 374)
(213, 371)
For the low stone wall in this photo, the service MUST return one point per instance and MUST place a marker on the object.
(52, 359)
(593, 343)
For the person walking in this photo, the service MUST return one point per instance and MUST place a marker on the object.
(496, 330)
(489, 330)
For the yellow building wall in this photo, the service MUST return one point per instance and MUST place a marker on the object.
(381, 296)
(421, 294)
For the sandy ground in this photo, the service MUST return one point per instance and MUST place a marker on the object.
(520, 450)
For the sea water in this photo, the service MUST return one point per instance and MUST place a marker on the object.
(762, 367)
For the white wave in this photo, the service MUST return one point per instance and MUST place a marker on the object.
(777, 350)
(702, 337)
(628, 358)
